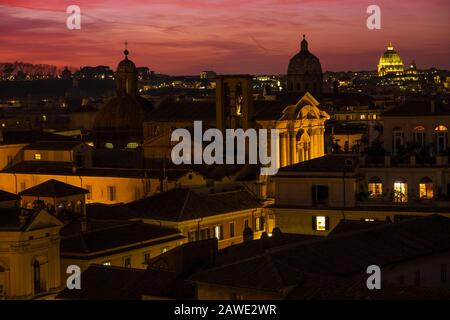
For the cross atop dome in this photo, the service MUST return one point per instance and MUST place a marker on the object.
(126, 52)
(304, 44)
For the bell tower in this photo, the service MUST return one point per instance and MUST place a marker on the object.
(234, 102)
(126, 76)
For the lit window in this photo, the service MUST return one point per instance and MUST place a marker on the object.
(106, 263)
(109, 145)
(164, 250)
(363, 117)
(441, 136)
(375, 187)
(400, 191)
(37, 156)
(132, 145)
(320, 223)
(426, 188)
(259, 224)
(218, 232)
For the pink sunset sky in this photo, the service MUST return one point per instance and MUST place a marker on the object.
(228, 36)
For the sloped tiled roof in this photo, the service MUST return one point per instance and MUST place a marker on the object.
(341, 256)
(104, 235)
(185, 204)
(417, 108)
(53, 145)
(327, 163)
(8, 196)
(53, 188)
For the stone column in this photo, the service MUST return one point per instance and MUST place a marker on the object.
(293, 148)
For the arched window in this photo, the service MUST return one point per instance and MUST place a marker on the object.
(375, 187)
(441, 138)
(400, 190)
(419, 136)
(426, 188)
(397, 139)
(37, 277)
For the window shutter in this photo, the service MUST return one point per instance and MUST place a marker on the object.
(314, 223)
(327, 223)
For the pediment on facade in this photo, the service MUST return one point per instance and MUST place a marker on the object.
(44, 220)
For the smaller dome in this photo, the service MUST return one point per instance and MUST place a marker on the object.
(304, 62)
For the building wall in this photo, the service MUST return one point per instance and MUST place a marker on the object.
(127, 189)
(300, 220)
(440, 178)
(224, 220)
(18, 252)
(10, 154)
(407, 124)
(118, 259)
(299, 192)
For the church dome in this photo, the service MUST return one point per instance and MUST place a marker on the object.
(121, 112)
(304, 62)
(304, 72)
(390, 62)
(126, 65)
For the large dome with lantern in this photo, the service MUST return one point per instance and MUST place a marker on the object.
(390, 62)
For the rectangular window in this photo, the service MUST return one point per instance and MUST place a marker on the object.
(88, 188)
(400, 192)
(375, 190)
(165, 249)
(231, 229)
(106, 263)
(245, 223)
(417, 278)
(444, 273)
(192, 236)
(127, 262)
(111, 193)
(205, 234)
(259, 224)
(147, 257)
(320, 223)
(319, 195)
(426, 190)
(37, 156)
